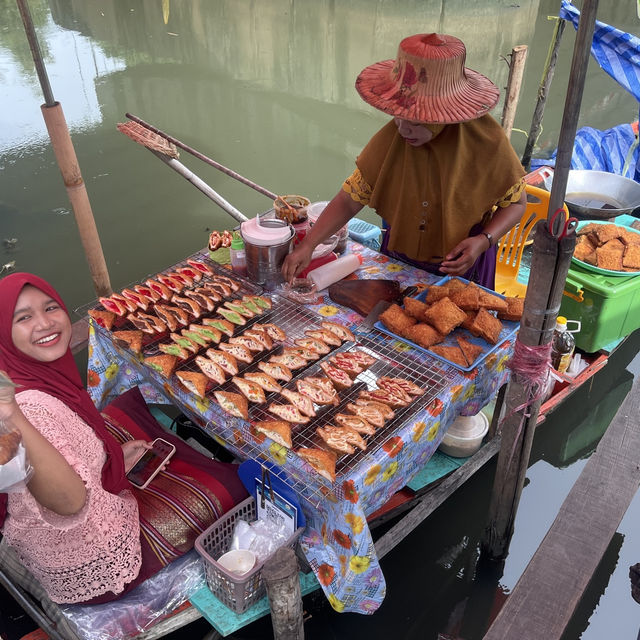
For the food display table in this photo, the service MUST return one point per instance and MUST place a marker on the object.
(337, 541)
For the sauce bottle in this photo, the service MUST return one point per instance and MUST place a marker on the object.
(238, 255)
(562, 345)
(333, 271)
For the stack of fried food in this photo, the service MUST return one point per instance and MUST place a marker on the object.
(608, 246)
(456, 303)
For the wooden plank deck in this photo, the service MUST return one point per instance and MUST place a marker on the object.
(545, 597)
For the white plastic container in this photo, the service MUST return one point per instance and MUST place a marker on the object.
(331, 272)
(464, 437)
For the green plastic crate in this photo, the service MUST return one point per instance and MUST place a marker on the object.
(607, 306)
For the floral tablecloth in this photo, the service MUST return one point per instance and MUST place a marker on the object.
(337, 541)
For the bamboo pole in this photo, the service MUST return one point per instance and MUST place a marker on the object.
(68, 164)
(202, 157)
(514, 83)
(549, 268)
(543, 91)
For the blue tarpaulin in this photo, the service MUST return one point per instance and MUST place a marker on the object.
(615, 150)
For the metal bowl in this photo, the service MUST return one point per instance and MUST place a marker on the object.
(597, 194)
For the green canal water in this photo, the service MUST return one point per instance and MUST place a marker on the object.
(267, 89)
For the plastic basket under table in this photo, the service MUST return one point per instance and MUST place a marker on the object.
(236, 592)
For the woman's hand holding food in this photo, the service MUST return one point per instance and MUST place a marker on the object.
(8, 404)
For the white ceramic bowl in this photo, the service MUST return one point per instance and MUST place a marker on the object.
(465, 435)
(238, 561)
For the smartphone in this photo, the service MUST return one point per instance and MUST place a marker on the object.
(148, 465)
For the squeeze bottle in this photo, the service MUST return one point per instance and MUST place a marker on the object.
(333, 271)
(562, 346)
(318, 262)
(238, 255)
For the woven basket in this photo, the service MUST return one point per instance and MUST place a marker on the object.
(148, 138)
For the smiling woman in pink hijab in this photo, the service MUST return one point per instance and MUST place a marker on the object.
(84, 532)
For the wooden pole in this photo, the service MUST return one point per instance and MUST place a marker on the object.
(68, 163)
(543, 91)
(549, 268)
(280, 574)
(514, 83)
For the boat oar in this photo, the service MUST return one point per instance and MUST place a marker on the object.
(202, 157)
(167, 152)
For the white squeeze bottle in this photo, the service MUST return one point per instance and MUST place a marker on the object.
(331, 272)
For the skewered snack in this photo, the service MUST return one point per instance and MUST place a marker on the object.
(147, 291)
(277, 371)
(303, 402)
(288, 412)
(487, 326)
(313, 344)
(161, 289)
(251, 390)
(133, 339)
(348, 365)
(210, 333)
(203, 301)
(317, 393)
(445, 316)
(338, 377)
(384, 396)
(273, 330)
(324, 335)
(469, 350)
(369, 412)
(341, 331)
(289, 360)
(341, 438)
(252, 344)
(174, 349)
(396, 320)
(185, 343)
(211, 369)
(387, 412)
(225, 360)
(264, 380)
(409, 387)
(261, 336)
(164, 364)
(193, 381)
(232, 316)
(238, 351)
(104, 318)
(192, 273)
(278, 430)
(238, 307)
(220, 324)
(142, 302)
(233, 403)
(360, 424)
(200, 266)
(324, 462)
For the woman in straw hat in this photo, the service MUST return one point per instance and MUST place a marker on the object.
(442, 174)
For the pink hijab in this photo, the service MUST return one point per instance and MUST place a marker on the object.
(59, 379)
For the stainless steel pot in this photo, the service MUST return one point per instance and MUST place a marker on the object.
(597, 194)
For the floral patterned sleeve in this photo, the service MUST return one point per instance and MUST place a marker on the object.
(356, 186)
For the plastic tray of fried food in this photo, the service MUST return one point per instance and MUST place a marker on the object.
(455, 321)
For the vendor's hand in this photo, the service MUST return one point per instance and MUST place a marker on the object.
(296, 261)
(8, 404)
(132, 450)
(462, 257)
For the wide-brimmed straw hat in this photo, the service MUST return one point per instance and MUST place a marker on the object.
(428, 82)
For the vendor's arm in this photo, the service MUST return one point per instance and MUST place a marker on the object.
(54, 483)
(460, 259)
(336, 214)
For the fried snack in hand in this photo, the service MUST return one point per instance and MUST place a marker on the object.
(9, 443)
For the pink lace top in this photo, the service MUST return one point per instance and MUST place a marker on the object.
(97, 550)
